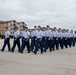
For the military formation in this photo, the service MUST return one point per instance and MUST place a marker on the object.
(40, 39)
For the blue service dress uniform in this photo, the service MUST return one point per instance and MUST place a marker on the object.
(69, 39)
(25, 41)
(56, 41)
(39, 42)
(66, 40)
(47, 33)
(7, 40)
(60, 38)
(72, 40)
(16, 41)
(51, 42)
(33, 39)
(44, 39)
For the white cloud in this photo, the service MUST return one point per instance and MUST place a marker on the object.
(60, 13)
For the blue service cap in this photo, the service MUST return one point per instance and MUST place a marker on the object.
(48, 26)
(16, 27)
(24, 27)
(39, 26)
(35, 26)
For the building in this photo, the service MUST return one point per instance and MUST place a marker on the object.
(11, 25)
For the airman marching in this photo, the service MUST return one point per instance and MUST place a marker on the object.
(42, 39)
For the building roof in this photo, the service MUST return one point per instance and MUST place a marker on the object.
(1, 22)
(22, 23)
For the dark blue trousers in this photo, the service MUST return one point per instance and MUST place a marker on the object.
(28, 45)
(16, 42)
(69, 41)
(56, 42)
(6, 42)
(25, 43)
(72, 41)
(65, 42)
(75, 39)
(52, 44)
(44, 42)
(47, 44)
(39, 45)
(32, 43)
(61, 42)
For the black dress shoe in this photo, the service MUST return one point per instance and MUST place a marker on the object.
(12, 51)
(34, 52)
(50, 50)
(53, 49)
(2, 50)
(45, 50)
(9, 50)
(31, 50)
(18, 50)
(41, 52)
(57, 49)
(28, 52)
(21, 52)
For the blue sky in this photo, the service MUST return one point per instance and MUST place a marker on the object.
(59, 13)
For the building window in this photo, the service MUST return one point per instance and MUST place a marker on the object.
(11, 28)
(11, 32)
(14, 25)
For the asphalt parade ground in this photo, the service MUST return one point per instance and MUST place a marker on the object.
(61, 62)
